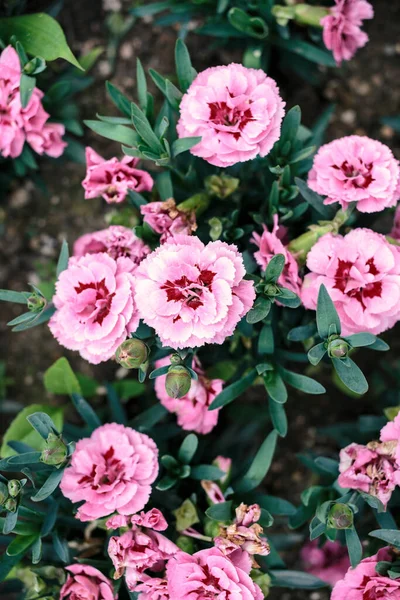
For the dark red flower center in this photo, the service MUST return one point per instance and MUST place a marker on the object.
(112, 471)
(369, 290)
(101, 304)
(189, 292)
(360, 175)
(236, 117)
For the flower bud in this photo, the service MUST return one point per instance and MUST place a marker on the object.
(338, 348)
(14, 487)
(225, 465)
(221, 186)
(271, 289)
(196, 204)
(186, 544)
(55, 451)
(3, 493)
(132, 353)
(186, 515)
(340, 516)
(177, 381)
(261, 579)
(11, 505)
(211, 528)
(36, 302)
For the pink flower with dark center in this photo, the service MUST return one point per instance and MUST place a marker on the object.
(153, 588)
(117, 241)
(193, 294)
(371, 469)
(112, 471)
(342, 28)
(192, 409)
(86, 583)
(209, 574)
(95, 307)
(364, 582)
(361, 272)
(153, 519)
(328, 562)
(112, 178)
(356, 169)
(166, 219)
(136, 551)
(270, 244)
(237, 112)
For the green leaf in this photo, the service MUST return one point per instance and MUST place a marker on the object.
(150, 417)
(7, 563)
(21, 430)
(302, 382)
(316, 353)
(164, 185)
(274, 268)
(209, 472)
(183, 144)
(390, 536)
(117, 411)
(290, 125)
(43, 424)
(301, 333)
(314, 199)
(306, 50)
(352, 376)
(60, 378)
(379, 345)
(295, 580)
(266, 343)
(121, 102)
(61, 548)
(233, 391)
(86, 411)
(63, 258)
(166, 483)
(183, 64)
(49, 486)
(358, 340)
(253, 26)
(275, 387)
(260, 310)
(329, 465)
(10, 522)
(354, 546)
(118, 133)
(40, 35)
(128, 388)
(36, 551)
(188, 448)
(20, 544)
(301, 154)
(26, 87)
(260, 465)
(17, 297)
(144, 129)
(327, 316)
(278, 417)
(220, 512)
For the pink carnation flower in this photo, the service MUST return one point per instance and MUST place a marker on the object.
(168, 220)
(117, 241)
(86, 583)
(136, 550)
(237, 112)
(361, 272)
(112, 178)
(391, 433)
(95, 307)
(153, 519)
(192, 409)
(112, 471)
(193, 294)
(18, 124)
(356, 169)
(328, 562)
(364, 582)
(117, 521)
(153, 588)
(209, 574)
(270, 244)
(371, 469)
(342, 28)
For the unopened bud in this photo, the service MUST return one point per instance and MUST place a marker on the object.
(196, 204)
(338, 348)
(11, 505)
(211, 528)
(186, 515)
(177, 381)
(132, 353)
(186, 544)
(340, 516)
(14, 488)
(3, 493)
(261, 579)
(36, 302)
(221, 186)
(271, 289)
(55, 451)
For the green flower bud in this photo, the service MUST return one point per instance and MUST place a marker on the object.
(36, 302)
(271, 289)
(55, 452)
(221, 186)
(3, 493)
(340, 516)
(14, 488)
(177, 381)
(338, 348)
(211, 528)
(261, 579)
(11, 505)
(132, 353)
(186, 544)
(175, 359)
(186, 515)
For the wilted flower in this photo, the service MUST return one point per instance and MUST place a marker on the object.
(237, 112)
(167, 219)
(247, 515)
(213, 491)
(84, 582)
(361, 272)
(356, 169)
(112, 178)
(193, 294)
(153, 588)
(112, 471)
